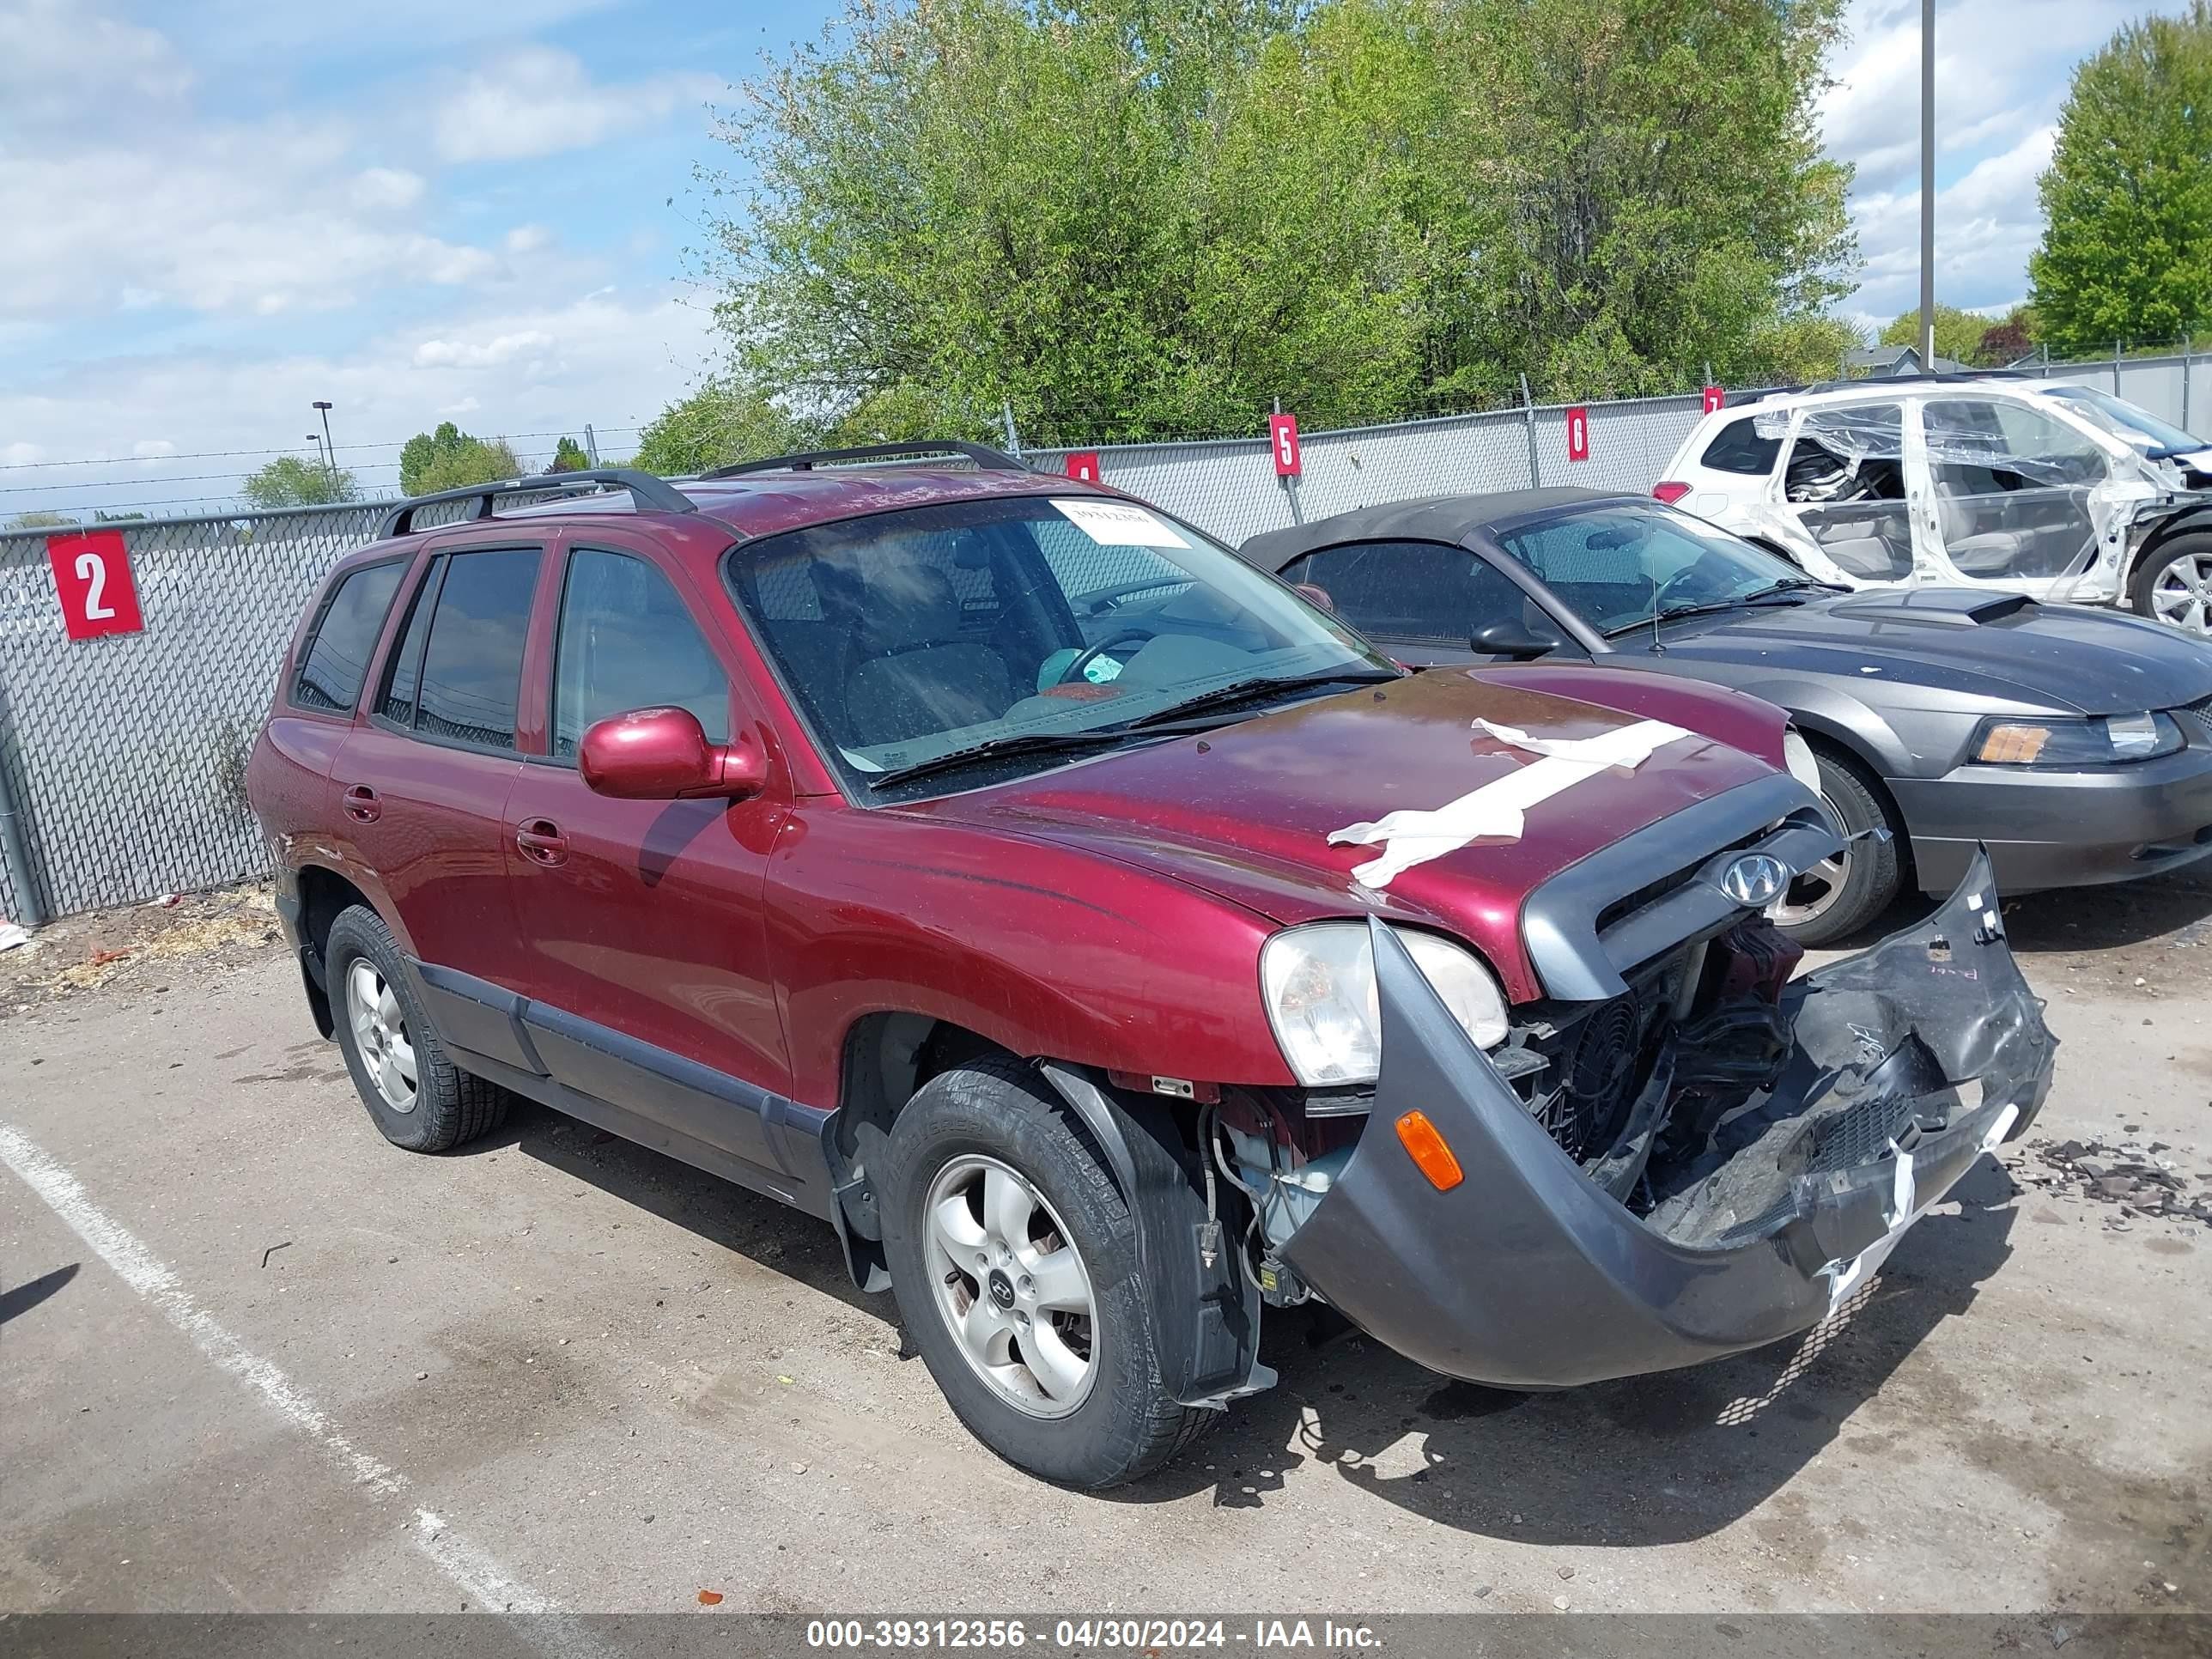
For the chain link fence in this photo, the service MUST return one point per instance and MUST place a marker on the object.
(125, 757)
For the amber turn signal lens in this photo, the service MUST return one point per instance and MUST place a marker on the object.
(1430, 1156)
(2013, 745)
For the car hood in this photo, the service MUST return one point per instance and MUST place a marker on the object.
(1967, 641)
(1245, 812)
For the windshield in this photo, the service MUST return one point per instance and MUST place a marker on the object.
(1614, 566)
(997, 626)
(2126, 420)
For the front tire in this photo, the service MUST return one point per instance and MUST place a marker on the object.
(418, 1097)
(2174, 585)
(1837, 897)
(1013, 1257)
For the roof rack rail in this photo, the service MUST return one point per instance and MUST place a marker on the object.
(1926, 377)
(986, 459)
(645, 489)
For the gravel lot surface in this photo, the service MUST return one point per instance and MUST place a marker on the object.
(255, 1359)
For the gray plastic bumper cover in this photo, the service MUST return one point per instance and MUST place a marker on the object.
(1526, 1275)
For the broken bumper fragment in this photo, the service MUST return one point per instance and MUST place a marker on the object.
(1910, 1061)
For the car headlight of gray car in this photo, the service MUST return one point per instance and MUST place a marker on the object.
(1318, 981)
(2104, 740)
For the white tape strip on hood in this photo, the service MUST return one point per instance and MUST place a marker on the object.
(1414, 836)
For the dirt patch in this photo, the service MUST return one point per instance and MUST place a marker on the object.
(140, 946)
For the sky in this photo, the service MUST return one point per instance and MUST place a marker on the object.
(220, 211)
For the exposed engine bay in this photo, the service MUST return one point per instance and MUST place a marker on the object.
(1705, 1099)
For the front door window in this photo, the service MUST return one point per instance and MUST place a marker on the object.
(2009, 487)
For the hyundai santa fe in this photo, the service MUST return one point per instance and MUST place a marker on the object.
(1109, 944)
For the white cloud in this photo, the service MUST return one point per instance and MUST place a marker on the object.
(540, 102)
(62, 67)
(132, 197)
(378, 189)
(514, 373)
(1987, 223)
(2002, 71)
(527, 239)
(479, 354)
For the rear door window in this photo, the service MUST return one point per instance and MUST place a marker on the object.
(471, 675)
(402, 680)
(626, 642)
(335, 662)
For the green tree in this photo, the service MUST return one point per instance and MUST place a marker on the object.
(1957, 333)
(569, 457)
(39, 519)
(2127, 200)
(448, 458)
(291, 480)
(1147, 218)
(724, 421)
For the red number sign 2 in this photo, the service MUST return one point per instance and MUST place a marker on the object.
(92, 574)
(1578, 433)
(1083, 463)
(1283, 432)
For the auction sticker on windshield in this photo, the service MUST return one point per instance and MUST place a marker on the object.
(1121, 524)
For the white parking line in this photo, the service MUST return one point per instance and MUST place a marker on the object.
(479, 1576)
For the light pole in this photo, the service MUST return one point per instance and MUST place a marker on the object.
(331, 450)
(316, 439)
(1927, 185)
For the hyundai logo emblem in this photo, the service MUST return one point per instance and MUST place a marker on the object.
(1755, 879)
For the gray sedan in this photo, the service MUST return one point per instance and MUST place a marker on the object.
(2077, 743)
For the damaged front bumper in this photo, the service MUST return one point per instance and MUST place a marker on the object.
(1910, 1061)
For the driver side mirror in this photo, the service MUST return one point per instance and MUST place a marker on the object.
(663, 754)
(1512, 638)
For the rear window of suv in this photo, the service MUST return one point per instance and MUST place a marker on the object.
(336, 661)
(1737, 448)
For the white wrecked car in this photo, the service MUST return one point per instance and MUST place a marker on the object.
(2059, 491)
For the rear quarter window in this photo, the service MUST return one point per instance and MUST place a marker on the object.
(336, 661)
(1738, 447)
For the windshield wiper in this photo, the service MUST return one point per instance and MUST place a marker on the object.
(1025, 743)
(1714, 607)
(1786, 585)
(1672, 613)
(1236, 691)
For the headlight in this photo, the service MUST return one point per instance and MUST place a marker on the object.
(2104, 741)
(1318, 982)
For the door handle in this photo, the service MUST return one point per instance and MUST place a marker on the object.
(362, 805)
(540, 840)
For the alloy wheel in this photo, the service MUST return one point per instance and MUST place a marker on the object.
(1011, 1286)
(380, 1032)
(2182, 595)
(1814, 894)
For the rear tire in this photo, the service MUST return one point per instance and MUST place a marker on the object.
(2173, 586)
(1838, 899)
(999, 1222)
(417, 1096)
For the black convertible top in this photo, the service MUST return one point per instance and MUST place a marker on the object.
(1423, 518)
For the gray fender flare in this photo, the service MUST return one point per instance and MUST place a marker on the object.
(1205, 1320)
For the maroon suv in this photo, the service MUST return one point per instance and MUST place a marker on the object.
(1105, 941)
